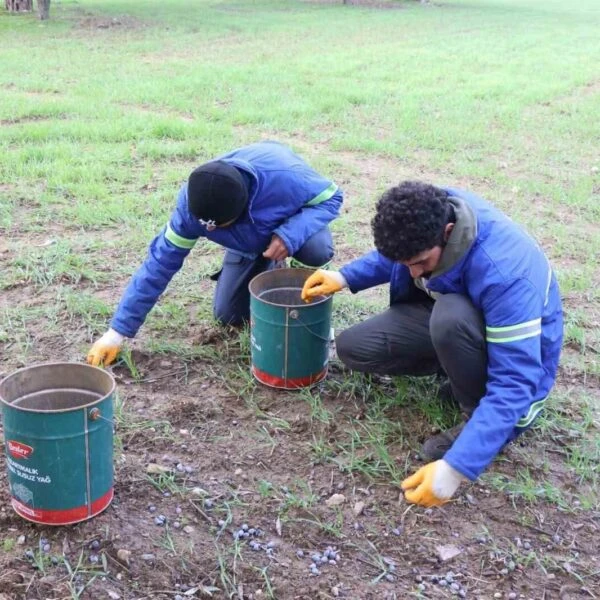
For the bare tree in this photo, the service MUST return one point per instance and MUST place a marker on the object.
(27, 5)
(43, 9)
(18, 5)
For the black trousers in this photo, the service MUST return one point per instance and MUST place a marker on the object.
(420, 338)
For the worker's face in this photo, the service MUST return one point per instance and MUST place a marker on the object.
(425, 263)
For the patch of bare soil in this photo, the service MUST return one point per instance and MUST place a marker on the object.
(123, 22)
(224, 453)
(232, 460)
(389, 4)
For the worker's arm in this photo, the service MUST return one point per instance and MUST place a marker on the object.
(512, 314)
(316, 214)
(369, 270)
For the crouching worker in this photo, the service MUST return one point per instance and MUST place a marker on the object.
(261, 202)
(470, 294)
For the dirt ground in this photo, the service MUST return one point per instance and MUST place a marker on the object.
(201, 451)
(228, 462)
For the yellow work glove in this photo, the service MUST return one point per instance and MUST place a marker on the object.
(106, 349)
(323, 283)
(432, 485)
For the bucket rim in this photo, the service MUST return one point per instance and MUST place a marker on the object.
(304, 305)
(58, 364)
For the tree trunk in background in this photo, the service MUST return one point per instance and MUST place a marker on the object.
(44, 9)
(18, 5)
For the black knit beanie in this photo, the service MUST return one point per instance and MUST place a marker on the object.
(217, 193)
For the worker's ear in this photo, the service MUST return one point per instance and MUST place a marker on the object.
(447, 231)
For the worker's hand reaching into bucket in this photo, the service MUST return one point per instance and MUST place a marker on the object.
(432, 485)
(277, 250)
(106, 349)
(323, 283)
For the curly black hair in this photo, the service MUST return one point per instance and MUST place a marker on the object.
(410, 218)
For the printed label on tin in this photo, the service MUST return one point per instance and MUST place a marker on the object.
(26, 473)
(255, 344)
(18, 449)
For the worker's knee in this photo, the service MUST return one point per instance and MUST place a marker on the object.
(317, 251)
(227, 315)
(454, 319)
(348, 349)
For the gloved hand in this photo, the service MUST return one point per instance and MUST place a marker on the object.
(432, 485)
(322, 283)
(105, 349)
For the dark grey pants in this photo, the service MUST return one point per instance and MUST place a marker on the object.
(419, 338)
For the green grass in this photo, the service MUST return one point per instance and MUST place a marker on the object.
(100, 125)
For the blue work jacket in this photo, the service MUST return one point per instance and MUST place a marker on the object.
(286, 197)
(505, 275)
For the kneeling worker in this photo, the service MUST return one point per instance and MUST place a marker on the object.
(261, 202)
(470, 294)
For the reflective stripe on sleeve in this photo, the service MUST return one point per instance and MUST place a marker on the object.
(548, 282)
(513, 333)
(178, 240)
(532, 413)
(324, 195)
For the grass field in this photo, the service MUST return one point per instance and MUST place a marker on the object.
(104, 111)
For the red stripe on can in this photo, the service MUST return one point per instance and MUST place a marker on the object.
(62, 517)
(291, 383)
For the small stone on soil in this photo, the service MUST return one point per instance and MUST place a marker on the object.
(358, 508)
(335, 500)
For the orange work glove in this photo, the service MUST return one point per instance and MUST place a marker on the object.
(432, 485)
(106, 349)
(323, 283)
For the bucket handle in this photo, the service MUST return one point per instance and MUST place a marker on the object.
(294, 314)
(95, 414)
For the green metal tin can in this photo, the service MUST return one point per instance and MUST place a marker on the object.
(289, 338)
(58, 437)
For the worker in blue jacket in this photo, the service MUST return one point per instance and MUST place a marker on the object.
(472, 295)
(261, 202)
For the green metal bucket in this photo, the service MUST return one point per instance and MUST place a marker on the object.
(289, 338)
(58, 437)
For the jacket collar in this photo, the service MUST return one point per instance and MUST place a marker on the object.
(461, 238)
